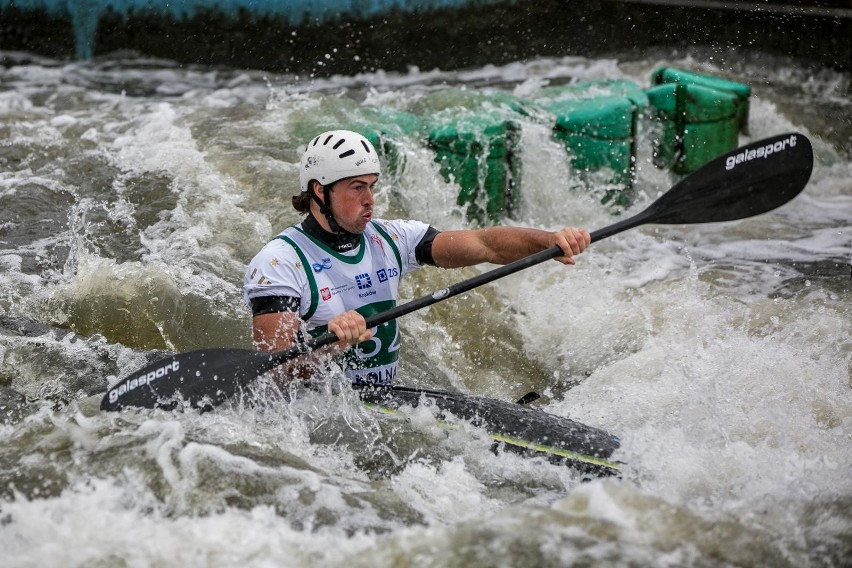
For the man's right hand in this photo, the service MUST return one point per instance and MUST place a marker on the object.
(350, 327)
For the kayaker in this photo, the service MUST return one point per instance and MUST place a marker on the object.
(340, 264)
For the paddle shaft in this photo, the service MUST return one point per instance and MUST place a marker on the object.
(464, 286)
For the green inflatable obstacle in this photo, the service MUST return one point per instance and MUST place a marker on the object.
(701, 117)
(479, 151)
(476, 141)
(597, 124)
(475, 137)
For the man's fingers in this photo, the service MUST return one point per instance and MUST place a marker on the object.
(572, 241)
(350, 327)
(579, 239)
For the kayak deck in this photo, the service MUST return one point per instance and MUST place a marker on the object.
(514, 427)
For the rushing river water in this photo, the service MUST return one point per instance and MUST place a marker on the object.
(133, 193)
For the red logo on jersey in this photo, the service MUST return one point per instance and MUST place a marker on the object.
(326, 294)
(379, 242)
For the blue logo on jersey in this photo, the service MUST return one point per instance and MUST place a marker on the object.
(363, 281)
(386, 274)
(326, 265)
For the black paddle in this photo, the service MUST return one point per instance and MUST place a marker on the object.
(750, 180)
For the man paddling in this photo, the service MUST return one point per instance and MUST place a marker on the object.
(207, 377)
(340, 264)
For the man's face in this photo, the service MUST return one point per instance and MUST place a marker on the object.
(352, 202)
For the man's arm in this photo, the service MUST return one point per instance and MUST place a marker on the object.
(275, 331)
(501, 245)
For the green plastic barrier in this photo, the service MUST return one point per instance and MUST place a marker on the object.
(701, 117)
(476, 141)
(479, 152)
(740, 90)
(597, 124)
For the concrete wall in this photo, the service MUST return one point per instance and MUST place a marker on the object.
(349, 36)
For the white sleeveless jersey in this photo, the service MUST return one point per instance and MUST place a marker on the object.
(329, 283)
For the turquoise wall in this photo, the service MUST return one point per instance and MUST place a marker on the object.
(85, 14)
(297, 36)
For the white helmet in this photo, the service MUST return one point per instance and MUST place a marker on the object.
(336, 155)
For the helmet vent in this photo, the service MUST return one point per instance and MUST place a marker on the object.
(347, 153)
(330, 136)
(364, 144)
(339, 142)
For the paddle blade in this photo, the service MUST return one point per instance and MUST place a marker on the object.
(202, 378)
(748, 181)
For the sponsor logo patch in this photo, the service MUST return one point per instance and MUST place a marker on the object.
(385, 274)
(320, 266)
(363, 281)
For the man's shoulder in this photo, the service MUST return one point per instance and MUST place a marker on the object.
(401, 227)
(278, 246)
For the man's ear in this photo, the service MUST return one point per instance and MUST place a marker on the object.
(317, 190)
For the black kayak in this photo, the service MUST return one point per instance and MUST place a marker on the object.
(511, 426)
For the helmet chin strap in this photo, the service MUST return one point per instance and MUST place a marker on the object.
(325, 209)
(343, 236)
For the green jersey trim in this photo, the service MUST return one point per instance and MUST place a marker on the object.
(392, 244)
(312, 283)
(354, 259)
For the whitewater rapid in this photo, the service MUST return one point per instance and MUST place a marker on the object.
(133, 193)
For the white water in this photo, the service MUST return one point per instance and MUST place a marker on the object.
(132, 196)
